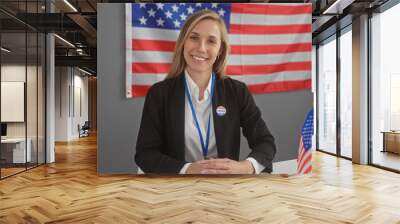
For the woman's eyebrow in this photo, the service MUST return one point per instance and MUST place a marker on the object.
(197, 34)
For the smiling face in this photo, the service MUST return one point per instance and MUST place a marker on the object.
(201, 47)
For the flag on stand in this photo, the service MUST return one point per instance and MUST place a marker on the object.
(270, 43)
(304, 163)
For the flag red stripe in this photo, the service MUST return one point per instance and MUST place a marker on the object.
(269, 29)
(270, 49)
(305, 161)
(153, 45)
(280, 86)
(141, 90)
(169, 46)
(308, 170)
(271, 9)
(162, 68)
(301, 153)
(266, 69)
(300, 159)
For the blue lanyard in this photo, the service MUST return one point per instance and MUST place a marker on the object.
(204, 146)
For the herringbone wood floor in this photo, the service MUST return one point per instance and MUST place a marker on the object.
(70, 191)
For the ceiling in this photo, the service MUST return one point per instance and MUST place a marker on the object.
(76, 22)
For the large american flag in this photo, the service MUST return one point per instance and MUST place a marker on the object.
(304, 163)
(270, 43)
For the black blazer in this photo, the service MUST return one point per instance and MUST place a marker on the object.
(160, 142)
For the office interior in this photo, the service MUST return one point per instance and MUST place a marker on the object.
(48, 76)
(49, 96)
(48, 81)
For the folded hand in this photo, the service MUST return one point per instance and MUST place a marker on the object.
(220, 166)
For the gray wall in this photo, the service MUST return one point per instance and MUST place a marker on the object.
(119, 118)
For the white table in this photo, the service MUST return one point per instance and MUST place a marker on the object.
(19, 152)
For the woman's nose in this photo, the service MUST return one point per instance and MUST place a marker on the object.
(202, 46)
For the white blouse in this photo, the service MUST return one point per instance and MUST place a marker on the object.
(193, 150)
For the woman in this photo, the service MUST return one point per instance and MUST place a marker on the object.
(191, 121)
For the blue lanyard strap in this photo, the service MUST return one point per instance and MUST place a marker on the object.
(204, 146)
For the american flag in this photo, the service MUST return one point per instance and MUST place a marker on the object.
(270, 43)
(304, 164)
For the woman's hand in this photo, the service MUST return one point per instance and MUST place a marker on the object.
(221, 166)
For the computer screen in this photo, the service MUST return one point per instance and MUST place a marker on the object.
(3, 129)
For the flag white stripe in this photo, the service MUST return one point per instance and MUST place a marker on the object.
(274, 77)
(149, 79)
(234, 39)
(257, 19)
(267, 59)
(303, 159)
(305, 168)
(154, 34)
(152, 56)
(280, 4)
(260, 59)
(241, 39)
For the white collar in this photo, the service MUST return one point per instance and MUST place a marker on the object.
(194, 89)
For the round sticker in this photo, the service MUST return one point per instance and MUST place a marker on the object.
(221, 111)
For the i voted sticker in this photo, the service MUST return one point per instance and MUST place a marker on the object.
(221, 111)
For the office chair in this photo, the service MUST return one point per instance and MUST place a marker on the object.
(84, 130)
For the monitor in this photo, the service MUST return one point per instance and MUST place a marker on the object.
(3, 129)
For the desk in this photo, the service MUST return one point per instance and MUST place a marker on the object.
(391, 141)
(15, 148)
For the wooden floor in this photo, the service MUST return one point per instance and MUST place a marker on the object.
(70, 191)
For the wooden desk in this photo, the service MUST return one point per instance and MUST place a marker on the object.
(391, 141)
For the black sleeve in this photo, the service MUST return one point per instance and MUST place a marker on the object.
(258, 136)
(151, 137)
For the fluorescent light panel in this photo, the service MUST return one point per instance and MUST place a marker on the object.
(338, 6)
(65, 41)
(5, 50)
(70, 5)
(84, 71)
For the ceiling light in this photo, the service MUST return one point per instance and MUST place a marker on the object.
(5, 50)
(64, 40)
(70, 5)
(84, 71)
(337, 7)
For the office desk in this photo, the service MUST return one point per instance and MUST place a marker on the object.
(13, 150)
(391, 141)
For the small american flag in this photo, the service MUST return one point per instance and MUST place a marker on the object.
(304, 164)
(270, 43)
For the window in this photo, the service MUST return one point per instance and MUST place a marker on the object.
(385, 89)
(346, 93)
(327, 95)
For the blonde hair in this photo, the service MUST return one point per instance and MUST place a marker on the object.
(178, 62)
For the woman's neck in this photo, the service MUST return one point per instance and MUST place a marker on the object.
(201, 80)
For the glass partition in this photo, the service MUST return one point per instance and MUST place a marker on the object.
(14, 153)
(22, 77)
(32, 95)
